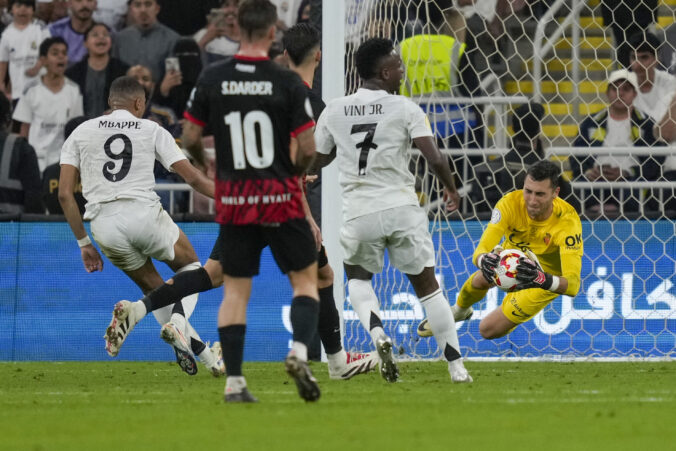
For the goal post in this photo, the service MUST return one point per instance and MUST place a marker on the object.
(626, 307)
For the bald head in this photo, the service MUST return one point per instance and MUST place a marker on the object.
(128, 94)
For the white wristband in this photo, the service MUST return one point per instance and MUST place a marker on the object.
(555, 283)
(84, 241)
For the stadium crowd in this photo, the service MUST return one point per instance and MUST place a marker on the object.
(58, 59)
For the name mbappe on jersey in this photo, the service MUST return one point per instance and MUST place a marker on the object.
(254, 107)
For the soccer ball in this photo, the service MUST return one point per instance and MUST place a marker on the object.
(505, 272)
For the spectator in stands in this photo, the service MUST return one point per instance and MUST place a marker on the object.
(436, 65)
(147, 41)
(448, 70)
(621, 124)
(186, 17)
(287, 13)
(48, 103)
(304, 12)
(5, 16)
(220, 38)
(166, 118)
(176, 86)
(155, 112)
(72, 28)
(19, 49)
(113, 13)
(96, 72)
(509, 173)
(656, 87)
(626, 18)
(51, 174)
(485, 24)
(49, 11)
(19, 172)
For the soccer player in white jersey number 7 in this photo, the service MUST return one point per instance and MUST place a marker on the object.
(115, 156)
(369, 133)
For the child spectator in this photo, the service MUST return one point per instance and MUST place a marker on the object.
(96, 72)
(48, 103)
(19, 49)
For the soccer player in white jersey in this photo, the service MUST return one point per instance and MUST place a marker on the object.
(115, 156)
(370, 133)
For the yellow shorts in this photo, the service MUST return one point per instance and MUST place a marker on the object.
(521, 306)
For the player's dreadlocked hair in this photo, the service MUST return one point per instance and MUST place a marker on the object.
(255, 17)
(369, 55)
(299, 40)
(545, 169)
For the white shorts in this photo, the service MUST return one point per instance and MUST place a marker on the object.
(130, 231)
(403, 231)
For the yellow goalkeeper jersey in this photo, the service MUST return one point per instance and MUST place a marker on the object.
(557, 241)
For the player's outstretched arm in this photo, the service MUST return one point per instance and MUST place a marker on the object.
(194, 177)
(322, 160)
(67, 180)
(439, 166)
(191, 140)
(306, 151)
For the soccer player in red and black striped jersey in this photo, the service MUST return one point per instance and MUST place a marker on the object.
(254, 108)
(302, 46)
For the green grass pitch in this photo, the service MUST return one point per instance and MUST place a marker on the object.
(510, 406)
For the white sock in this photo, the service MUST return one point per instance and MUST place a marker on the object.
(206, 357)
(180, 322)
(459, 311)
(139, 309)
(234, 384)
(163, 315)
(300, 350)
(365, 302)
(338, 359)
(440, 318)
(188, 303)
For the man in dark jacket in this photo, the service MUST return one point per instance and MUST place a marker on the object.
(19, 172)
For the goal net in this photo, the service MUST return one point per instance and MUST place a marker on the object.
(523, 78)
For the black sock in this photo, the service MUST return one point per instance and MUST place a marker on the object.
(232, 343)
(185, 284)
(329, 321)
(375, 321)
(178, 308)
(197, 346)
(304, 318)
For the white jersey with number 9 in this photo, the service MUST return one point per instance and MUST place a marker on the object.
(116, 155)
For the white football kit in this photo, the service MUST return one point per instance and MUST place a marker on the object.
(115, 155)
(372, 131)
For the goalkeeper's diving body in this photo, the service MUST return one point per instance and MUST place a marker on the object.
(545, 227)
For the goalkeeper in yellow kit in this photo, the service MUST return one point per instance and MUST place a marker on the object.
(536, 221)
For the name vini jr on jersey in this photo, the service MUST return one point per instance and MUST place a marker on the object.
(363, 110)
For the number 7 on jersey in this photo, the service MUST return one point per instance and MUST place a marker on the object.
(366, 145)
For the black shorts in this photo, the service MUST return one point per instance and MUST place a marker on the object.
(322, 258)
(291, 243)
